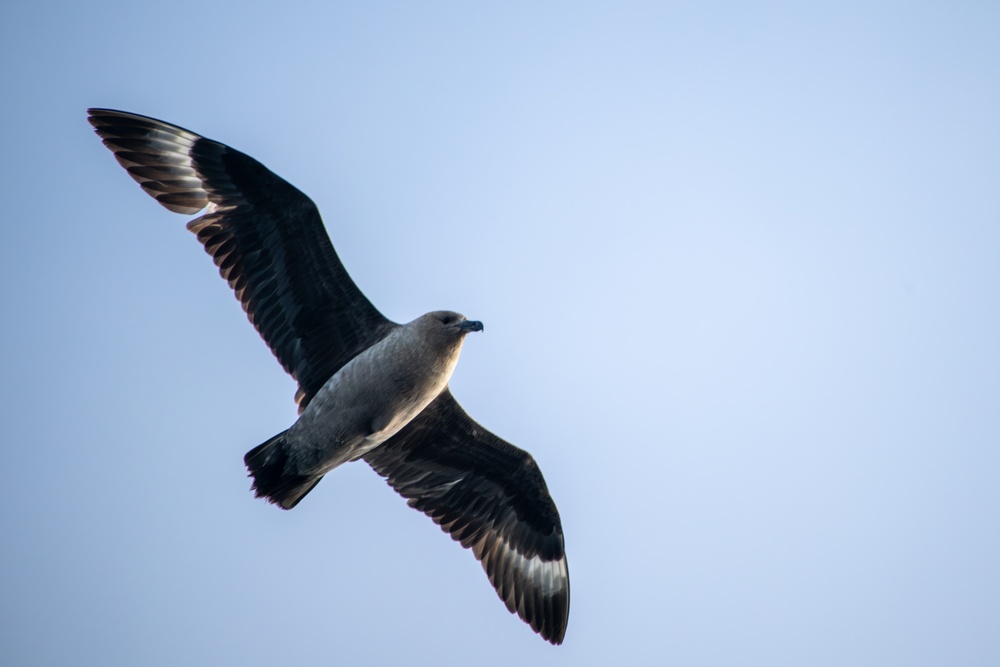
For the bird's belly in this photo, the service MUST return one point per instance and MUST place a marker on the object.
(357, 410)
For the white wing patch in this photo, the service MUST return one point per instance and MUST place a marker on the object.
(550, 576)
(166, 167)
(547, 577)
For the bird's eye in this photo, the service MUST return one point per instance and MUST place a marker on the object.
(446, 319)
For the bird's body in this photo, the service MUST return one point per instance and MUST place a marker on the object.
(368, 387)
(364, 404)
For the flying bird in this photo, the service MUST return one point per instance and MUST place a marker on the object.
(368, 388)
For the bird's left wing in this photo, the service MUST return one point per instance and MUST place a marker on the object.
(266, 237)
(490, 496)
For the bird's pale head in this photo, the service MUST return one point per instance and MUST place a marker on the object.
(445, 325)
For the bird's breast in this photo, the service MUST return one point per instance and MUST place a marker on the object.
(368, 401)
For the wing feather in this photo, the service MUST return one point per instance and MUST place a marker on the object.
(491, 497)
(265, 236)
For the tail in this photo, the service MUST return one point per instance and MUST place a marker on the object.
(266, 463)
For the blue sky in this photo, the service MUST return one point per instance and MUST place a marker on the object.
(738, 267)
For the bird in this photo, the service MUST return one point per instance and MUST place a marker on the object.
(368, 388)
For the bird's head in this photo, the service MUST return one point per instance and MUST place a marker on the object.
(446, 326)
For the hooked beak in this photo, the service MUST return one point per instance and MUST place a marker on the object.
(469, 326)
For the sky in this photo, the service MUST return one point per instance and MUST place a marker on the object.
(739, 269)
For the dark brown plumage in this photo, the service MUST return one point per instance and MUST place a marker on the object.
(350, 362)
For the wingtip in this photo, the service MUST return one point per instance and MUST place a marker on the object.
(95, 114)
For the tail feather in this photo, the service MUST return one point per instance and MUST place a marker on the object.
(266, 463)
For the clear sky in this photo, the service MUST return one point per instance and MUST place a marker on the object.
(739, 267)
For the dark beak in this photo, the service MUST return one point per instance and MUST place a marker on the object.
(469, 326)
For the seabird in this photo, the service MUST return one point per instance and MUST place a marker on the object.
(367, 387)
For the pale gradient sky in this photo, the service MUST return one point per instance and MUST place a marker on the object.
(739, 267)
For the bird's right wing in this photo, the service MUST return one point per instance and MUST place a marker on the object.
(265, 236)
(490, 496)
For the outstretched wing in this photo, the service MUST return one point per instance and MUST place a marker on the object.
(490, 496)
(265, 236)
